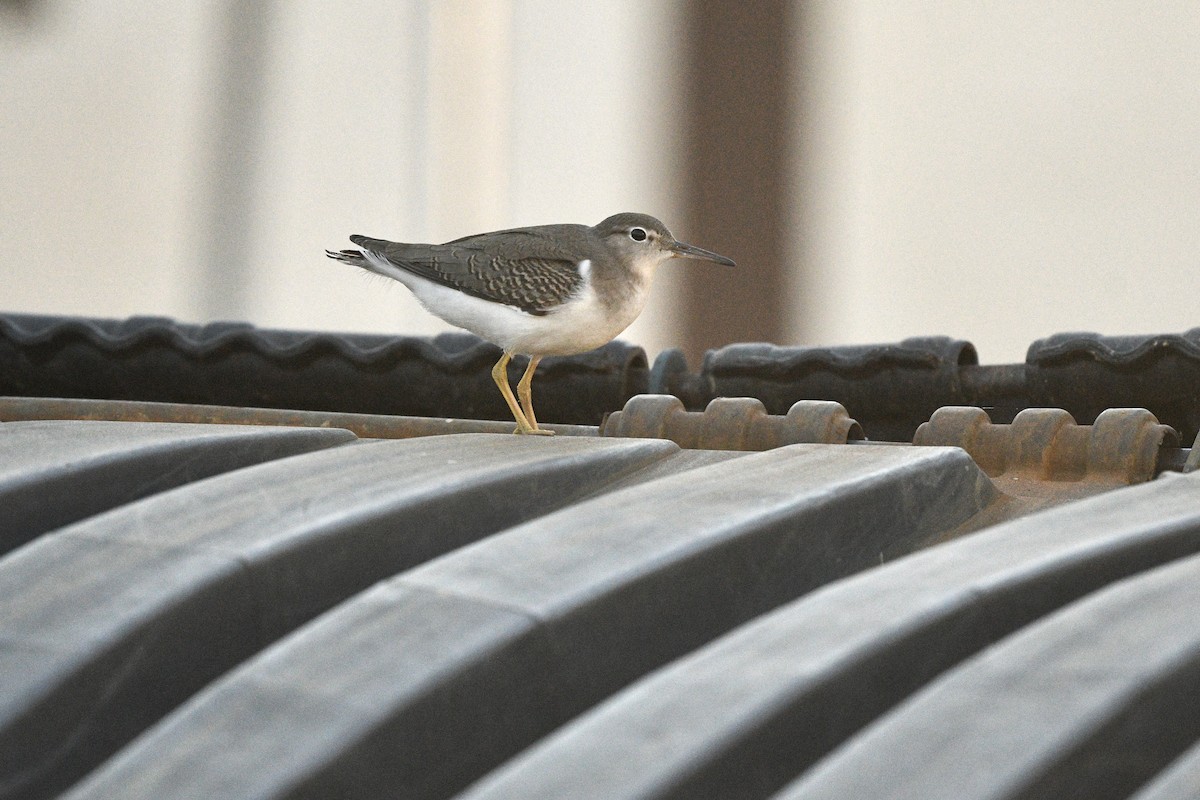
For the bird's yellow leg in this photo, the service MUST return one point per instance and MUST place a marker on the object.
(525, 393)
(500, 376)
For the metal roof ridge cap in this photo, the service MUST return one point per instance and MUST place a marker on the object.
(424, 489)
(778, 358)
(817, 495)
(205, 340)
(1111, 349)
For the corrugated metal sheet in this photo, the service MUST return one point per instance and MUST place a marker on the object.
(743, 715)
(1121, 669)
(53, 473)
(234, 364)
(729, 599)
(890, 389)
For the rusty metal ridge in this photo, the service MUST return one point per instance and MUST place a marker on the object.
(732, 423)
(1125, 446)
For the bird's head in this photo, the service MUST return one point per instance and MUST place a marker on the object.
(642, 243)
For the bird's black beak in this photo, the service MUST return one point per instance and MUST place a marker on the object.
(689, 251)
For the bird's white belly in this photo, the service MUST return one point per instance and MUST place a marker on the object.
(576, 327)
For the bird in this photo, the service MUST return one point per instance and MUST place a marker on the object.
(545, 290)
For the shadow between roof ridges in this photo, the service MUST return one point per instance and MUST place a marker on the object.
(875, 636)
(1113, 672)
(1179, 781)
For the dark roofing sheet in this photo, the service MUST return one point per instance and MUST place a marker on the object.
(53, 473)
(455, 665)
(606, 615)
(889, 388)
(1120, 669)
(236, 364)
(747, 713)
(1179, 781)
(167, 593)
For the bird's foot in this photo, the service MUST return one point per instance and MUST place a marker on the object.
(534, 431)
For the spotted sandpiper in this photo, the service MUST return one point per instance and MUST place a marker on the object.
(540, 291)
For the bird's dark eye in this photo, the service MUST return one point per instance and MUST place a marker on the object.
(637, 234)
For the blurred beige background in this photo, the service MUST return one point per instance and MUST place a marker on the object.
(991, 171)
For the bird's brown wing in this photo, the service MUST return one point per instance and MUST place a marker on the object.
(504, 272)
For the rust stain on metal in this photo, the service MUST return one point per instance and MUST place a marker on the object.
(1044, 446)
(732, 423)
(1042, 453)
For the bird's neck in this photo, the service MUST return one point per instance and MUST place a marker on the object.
(624, 291)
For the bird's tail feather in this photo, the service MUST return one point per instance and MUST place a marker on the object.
(354, 257)
(368, 259)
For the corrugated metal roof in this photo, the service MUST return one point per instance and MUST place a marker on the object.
(53, 472)
(194, 610)
(751, 710)
(234, 364)
(890, 389)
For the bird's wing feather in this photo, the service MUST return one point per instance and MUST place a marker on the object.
(501, 274)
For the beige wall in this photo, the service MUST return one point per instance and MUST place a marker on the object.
(408, 120)
(996, 172)
(102, 108)
(1000, 171)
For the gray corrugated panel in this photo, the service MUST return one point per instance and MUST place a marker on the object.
(745, 715)
(167, 593)
(421, 685)
(1088, 703)
(1087, 373)
(889, 389)
(1179, 781)
(53, 473)
(236, 364)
